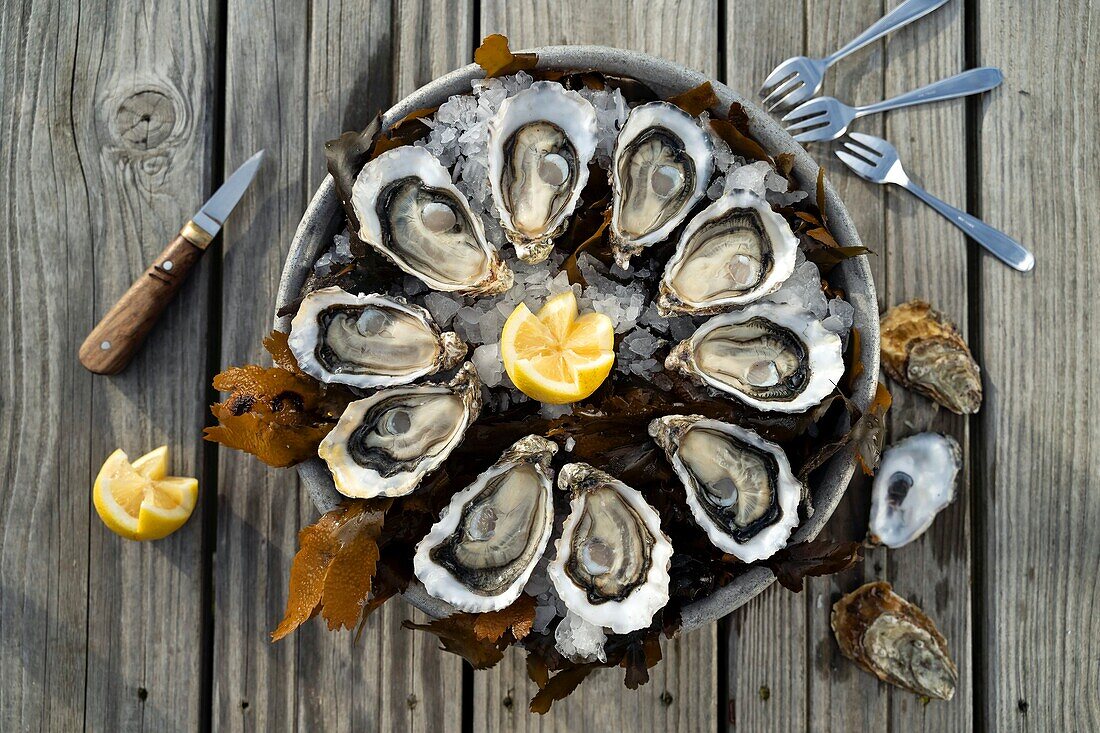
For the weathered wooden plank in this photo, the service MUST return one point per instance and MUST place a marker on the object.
(108, 141)
(291, 92)
(683, 30)
(926, 258)
(45, 464)
(1039, 474)
(258, 508)
(766, 647)
(682, 693)
(840, 697)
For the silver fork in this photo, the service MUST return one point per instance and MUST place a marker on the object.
(799, 77)
(877, 161)
(827, 118)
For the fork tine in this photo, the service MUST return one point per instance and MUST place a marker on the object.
(859, 166)
(779, 75)
(861, 149)
(780, 92)
(816, 135)
(800, 113)
(860, 153)
(869, 141)
(791, 93)
(820, 120)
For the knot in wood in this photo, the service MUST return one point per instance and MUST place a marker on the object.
(145, 119)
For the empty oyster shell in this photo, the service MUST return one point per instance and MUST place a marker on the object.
(485, 546)
(660, 168)
(369, 340)
(892, 639)
(733, 252)
(611, 566)
(540, 144)
(770, 356)
(915, 481)
(923, 351)
(385, 444)
(411, 212)
(739, 487)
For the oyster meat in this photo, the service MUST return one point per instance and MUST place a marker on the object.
(733, 252)
(411, 212)
(892, 639)
(923, 351)
(385, 444)
(739, 487)
(485, 546)
(660, 168)
(612, 560)
(540, 144)
(773, 357)
(915, 481)
(369, 341)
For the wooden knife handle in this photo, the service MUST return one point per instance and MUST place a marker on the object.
(119, 335)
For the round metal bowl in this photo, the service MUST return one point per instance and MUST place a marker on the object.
(325, 218)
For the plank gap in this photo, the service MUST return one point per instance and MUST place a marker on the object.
(972, 55)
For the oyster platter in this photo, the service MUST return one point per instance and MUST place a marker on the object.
(574, 363)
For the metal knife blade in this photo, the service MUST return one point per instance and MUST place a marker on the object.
(219, 206)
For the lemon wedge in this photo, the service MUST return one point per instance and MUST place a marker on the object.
(557, 355)
(140, 501)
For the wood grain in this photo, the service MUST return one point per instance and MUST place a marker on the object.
(1039, 341)
(927, 258)
(106, 145)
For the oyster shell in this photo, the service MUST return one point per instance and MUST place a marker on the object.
(739, 487)
(660, 168)
(923, 351)
(369, 341)
(892, 639)
(411, 212)
(733, 252)
(915, 481)
(385, 444)
(485, 546)
(540, 144)
(772, 357)
(612, 561)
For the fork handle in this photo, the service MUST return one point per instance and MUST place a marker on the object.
(974, 81)
(902, 15)
(999, 244)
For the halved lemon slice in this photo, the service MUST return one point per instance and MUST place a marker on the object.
(140, 501)
(556, 355)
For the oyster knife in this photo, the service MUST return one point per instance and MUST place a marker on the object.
(118, 336)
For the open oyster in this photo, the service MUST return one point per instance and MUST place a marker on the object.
(892, 639)
(611, 566)
(733, 252)
(772, 357)
(922, 350)
(915, 481)
(369, 340)
(660, 168)
(739, 487)
(540, 144)
(411, 212)
(385, 444)
(485, 546)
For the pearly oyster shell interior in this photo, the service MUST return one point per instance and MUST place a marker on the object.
(385, 444)
(484, 547)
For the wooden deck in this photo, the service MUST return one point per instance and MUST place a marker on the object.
(118, 118)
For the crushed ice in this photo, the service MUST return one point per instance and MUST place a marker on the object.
(579, 640)
(459, 136)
